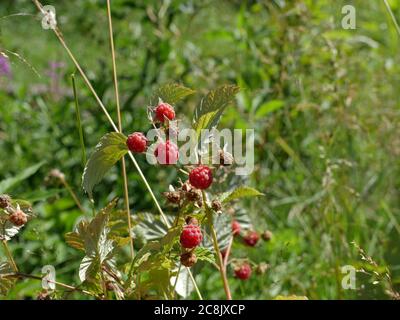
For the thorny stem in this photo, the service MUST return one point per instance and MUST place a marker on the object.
(89, 85)
(9, 255)
(125, 178)
(222, 269)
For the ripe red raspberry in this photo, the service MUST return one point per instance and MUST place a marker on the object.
(201, 177)
(18, 218)
(251, 238)
(167, 153)
(235, 227)
(243, 272)
(164, 110)
(191, 236)
(137, 142)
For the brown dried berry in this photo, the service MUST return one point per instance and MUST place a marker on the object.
(225, 158)
(43, 295)
(267, 235)
(262, 268)
(110, 286)
(191, 220)
(193, 195)
(188, 259)
(216, 205)
(5, 201)
(18, 218)
(173, 196)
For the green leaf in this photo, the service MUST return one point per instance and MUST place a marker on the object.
(269, 107)
(204, 254)
(184, 286)
(111, 148)
(151, 227)
(240, 192)
(7, 184)
(209, 112)
(170, 93)
(5, 283)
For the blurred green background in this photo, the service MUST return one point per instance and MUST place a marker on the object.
(323, 101)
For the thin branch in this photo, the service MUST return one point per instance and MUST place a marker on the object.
(115, 77)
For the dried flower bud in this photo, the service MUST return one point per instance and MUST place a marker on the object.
(267, 235)
(188, 259)
(225, 158)
(191, 220)
(18, 218)
(216, 205)
(262, 268)
(173, 196)
(193, 195)
(5, 201)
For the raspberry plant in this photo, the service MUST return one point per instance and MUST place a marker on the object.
(193, 229)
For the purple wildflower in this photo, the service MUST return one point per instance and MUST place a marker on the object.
(5, 69)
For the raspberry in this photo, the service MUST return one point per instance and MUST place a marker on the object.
(188, 259)
(191, 236)
(251, 238)
(243, 272)
(137, 142)
(235, 227)
(5, 201)
(167, 153)
(164, 110)
(18, 218)
(267, 235)
(201, 177)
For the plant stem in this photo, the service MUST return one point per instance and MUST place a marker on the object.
(115, 78)
(9, 255)
(194, 284)
(110, 120)
(73, 195)
(222, 269)
(396, 25)
(29, 276)
(228, 251)
(78, 121)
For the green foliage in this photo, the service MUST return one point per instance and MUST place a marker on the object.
(208, 113)
(111, 148)
(170, 93)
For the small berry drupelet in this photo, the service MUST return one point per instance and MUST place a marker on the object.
(167, 153)
(137, 142)
(251, 238)
(235, 227)
(164, 111)
(201, 177)
(188, 259)
(18, 218)
(243, 272)
(191, 236)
